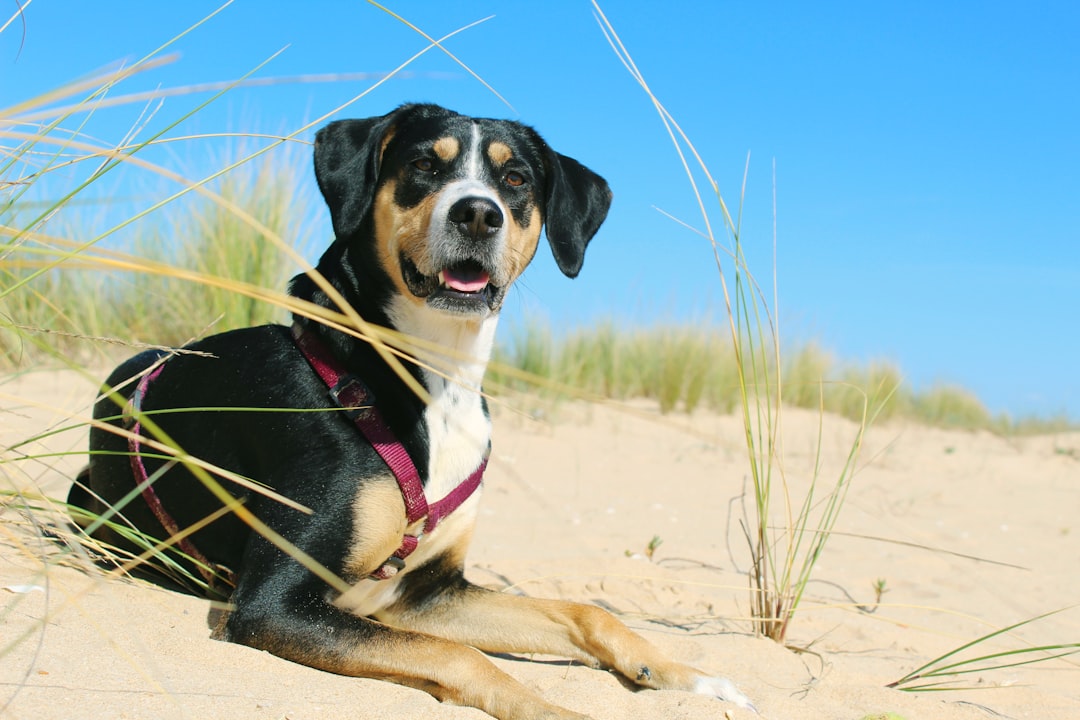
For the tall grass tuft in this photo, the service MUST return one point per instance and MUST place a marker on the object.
(79, 299)
(681, 367)
(951, 407)
(207, 238)
(787, 535)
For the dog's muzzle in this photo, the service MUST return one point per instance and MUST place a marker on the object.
(465, 249)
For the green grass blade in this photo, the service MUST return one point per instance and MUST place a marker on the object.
(937, 663)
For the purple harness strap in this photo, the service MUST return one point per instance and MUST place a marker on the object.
(209, 570)
(352, 394)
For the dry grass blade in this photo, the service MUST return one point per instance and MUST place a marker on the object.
(439, 44)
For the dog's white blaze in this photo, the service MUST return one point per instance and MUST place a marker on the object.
(442, 242)
(473, 159)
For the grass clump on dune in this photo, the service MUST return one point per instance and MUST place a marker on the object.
(688, 367)
(675, 365)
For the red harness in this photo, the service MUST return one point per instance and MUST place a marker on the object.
(351, 394)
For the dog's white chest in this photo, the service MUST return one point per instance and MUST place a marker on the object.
(458, 436)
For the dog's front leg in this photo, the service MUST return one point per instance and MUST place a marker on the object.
(308, 630)
(501, 623)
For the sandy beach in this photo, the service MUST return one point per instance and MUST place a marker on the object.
(968, 531)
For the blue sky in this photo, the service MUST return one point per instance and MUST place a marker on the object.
(927, 154)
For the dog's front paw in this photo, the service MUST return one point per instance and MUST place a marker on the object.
(723, 689)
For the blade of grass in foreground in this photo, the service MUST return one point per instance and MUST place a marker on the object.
(939, 668)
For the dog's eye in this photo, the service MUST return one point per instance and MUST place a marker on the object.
(515, 179)
(424, 165)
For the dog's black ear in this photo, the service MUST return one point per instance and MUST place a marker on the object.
(347, 166)
(576, 204)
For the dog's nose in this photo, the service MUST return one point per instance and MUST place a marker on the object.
(476, 217)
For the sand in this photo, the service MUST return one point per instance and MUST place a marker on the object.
(970, 532)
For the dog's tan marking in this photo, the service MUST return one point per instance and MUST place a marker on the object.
(447, 148)
(403, 231)
(378, 524)
(500, 153)
(387, 137)
(501, 623)
(521, 244)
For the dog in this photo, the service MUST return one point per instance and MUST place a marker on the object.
(350, 496)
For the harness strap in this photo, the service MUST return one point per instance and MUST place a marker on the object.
(349, 392)
(209, 570)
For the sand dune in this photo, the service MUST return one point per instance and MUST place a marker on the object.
(984, 532)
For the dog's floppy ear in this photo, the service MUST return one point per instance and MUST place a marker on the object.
(576, 204)
(347, 154)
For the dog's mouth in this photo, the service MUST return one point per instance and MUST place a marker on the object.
(462, 287)
(467, 279)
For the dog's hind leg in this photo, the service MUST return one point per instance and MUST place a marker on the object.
(80, 498)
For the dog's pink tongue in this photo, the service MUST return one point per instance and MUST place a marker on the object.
(469, 281)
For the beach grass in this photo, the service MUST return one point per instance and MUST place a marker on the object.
(81, 300)
(687, 367)
(785, 534)
(87, 278)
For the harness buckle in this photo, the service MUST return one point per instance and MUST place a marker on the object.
(388, 569)
(353, 396)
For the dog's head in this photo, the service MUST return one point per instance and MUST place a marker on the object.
(451, 207)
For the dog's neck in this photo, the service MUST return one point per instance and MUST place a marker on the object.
(455, 351)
